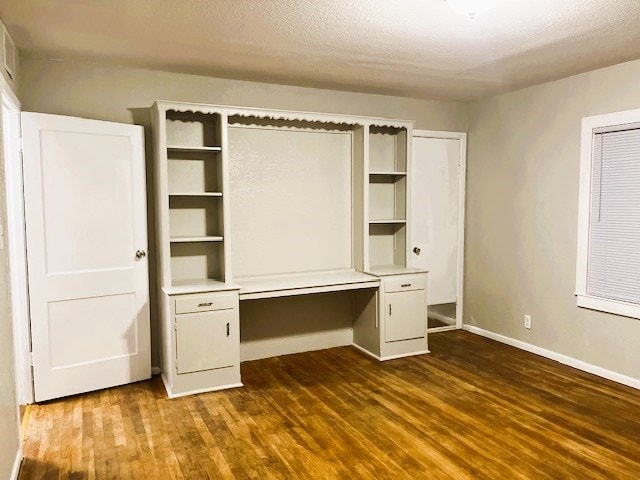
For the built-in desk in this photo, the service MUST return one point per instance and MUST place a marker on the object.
(303, 284)
(243, 194)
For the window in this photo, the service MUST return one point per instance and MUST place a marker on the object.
(608, 268)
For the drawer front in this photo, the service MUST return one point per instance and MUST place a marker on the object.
(405, 283)
(205, 303)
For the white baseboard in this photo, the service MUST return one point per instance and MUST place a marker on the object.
(155, 371)
(274, 347)
(443, 318)
(558, 357)
(389, 357)
(366, 352)
(16, 465)
(448, 328)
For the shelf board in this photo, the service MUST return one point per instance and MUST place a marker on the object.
(195, 194)
(195, 239)
(385, 222)
(389, 174)
(184, 148)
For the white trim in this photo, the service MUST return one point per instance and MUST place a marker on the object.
(156, 370)
(442, 318)
(607, 305)
(558, 357)
(16, 465)
(199, 390)
(589, 124)
(403, 355)
(462, 188)
(448, 328)
(388, 357)
(16, 245)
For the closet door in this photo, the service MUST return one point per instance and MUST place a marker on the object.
(435, 215)
(85, 209)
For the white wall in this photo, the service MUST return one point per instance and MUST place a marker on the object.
(522, 204)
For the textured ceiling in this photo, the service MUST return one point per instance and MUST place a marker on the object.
(416, 48)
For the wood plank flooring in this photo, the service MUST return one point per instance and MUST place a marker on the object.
(473, 409)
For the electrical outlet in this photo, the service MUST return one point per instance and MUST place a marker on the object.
(527, 322)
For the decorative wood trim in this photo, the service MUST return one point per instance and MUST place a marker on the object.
(283, 115)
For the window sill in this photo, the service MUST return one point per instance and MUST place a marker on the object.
(625, 309)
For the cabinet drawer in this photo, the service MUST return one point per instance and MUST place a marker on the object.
(205, 303)
(405, 283)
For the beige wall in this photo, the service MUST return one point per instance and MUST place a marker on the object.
(8, 414)
(522, 199)
(122, 94)
(107, 92)
(522, 180)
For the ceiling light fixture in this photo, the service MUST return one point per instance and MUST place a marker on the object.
(470, 8)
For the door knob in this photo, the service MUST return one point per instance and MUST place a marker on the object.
(416, 250)
(141, 254)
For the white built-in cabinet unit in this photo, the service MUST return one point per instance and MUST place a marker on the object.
(257, 204)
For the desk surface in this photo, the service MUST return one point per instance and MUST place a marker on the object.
(287, 285)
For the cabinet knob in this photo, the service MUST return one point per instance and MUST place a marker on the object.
(141, 254)
(416, 250)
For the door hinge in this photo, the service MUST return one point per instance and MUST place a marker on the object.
(389, 309)
(175, 326)
(21, 145)
(32, 358)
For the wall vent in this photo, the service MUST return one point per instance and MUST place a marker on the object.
(10, 53)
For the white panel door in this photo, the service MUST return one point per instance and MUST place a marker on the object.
(86, 229)
(434, 214)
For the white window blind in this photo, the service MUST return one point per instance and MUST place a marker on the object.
(613, 270)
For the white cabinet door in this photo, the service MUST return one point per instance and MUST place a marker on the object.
(434, 214)
(405, 315)
(204, 341)
(85, 210)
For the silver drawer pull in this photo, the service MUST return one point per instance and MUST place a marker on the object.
(205, 304)
(405, 285)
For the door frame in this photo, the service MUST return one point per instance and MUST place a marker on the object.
(462, 175)
(16, 245)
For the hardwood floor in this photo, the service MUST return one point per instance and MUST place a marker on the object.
(473, 409)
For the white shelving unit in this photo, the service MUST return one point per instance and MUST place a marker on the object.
(316, 203)
(199, 306)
